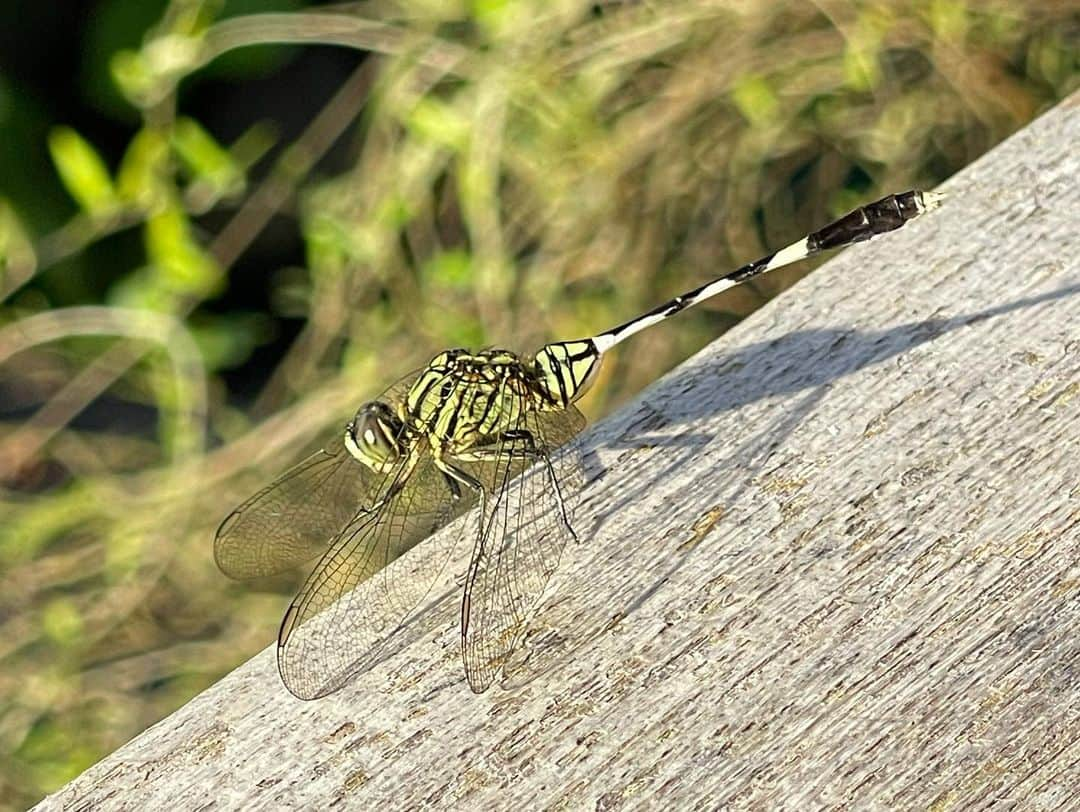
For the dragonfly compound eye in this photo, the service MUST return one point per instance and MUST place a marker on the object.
(374, 436)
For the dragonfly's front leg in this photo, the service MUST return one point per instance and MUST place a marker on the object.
(506, 447)
(455, 478)
(516, 444)
(519, 444)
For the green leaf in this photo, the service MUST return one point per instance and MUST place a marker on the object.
(114, 26)
(439, 123)
(143, 176)
(210, 164)
(82, 171)
(227, 341)
(949, 19)
(500, 19)
(458, 330)
(134, 78)
(861, 69)
(142, 290)
(61, 622)
(393, 212)
(182, 264)
(450, 269)
(16, 247)
(147, 76)
(327, 243)
(755, 99)
(862, 50)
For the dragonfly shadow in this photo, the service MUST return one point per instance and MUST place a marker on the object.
(601, 587)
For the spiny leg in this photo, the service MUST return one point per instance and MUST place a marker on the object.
(494, 451)
(455, 478)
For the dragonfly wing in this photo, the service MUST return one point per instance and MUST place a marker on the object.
(291, 521)
(522, 535)
(355, 598)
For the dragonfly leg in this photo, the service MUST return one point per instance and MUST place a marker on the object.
(528, 452)
(455, 478)
(455, 488)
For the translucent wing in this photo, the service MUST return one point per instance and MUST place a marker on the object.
(355, 599)
(526, 525)
(291, 521)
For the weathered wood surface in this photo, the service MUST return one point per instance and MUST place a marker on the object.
(833, 560)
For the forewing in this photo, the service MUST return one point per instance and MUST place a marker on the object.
(526, 525)
(355, 599)
(291, 521)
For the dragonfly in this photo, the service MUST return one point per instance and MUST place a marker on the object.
(486, 430)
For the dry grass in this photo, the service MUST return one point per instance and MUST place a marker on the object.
(531, 171)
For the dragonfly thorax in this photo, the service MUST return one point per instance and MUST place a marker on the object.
(464, 399)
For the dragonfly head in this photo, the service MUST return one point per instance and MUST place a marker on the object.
(375, 436)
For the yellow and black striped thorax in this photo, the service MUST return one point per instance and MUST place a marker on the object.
(461, 397)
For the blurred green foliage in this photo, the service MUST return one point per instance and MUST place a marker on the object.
(515, 172)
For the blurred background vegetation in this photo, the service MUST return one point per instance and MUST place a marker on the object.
(218, 234)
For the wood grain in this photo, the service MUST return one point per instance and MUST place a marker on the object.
(831, 561)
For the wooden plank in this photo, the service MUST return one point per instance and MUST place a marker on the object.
(832, 560)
